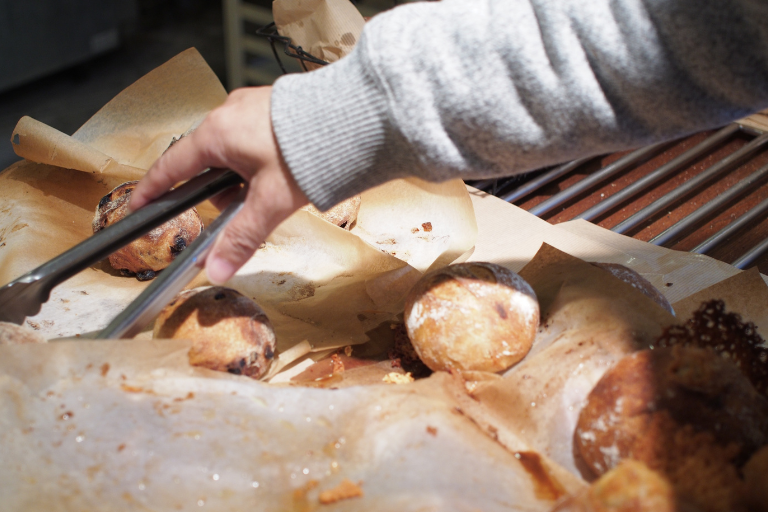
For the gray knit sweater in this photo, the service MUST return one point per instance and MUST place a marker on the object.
(481, 88)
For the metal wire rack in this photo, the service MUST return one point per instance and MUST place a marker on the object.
(702, 194)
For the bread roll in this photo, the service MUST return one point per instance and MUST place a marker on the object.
(343, 214)
(685, 412)
(637, 281)
(471, 317)
(229, 331)
(154, 251)
(12, 334)
(630, 487)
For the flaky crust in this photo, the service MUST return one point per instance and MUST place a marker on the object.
(471, 317)
(12, 334)
(343, 214)
(229, 331)
(154, 251)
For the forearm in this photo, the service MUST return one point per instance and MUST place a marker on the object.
(478, 88)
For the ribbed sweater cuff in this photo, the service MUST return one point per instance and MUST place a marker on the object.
(331, 124)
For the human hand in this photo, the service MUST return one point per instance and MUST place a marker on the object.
(237, 135)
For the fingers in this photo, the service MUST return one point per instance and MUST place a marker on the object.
(185, 159)
(272, 196)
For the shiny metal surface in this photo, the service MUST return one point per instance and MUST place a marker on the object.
(690, 185)
(171, 280)
(24, 296)
(665, 170)
(708, 209)
(596, 177)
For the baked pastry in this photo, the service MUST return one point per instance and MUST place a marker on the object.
(229, 331)
(638, 282)
(630, 487)
(12, 334)
(343, 214)
(685, 412)
(146, 256)
(471, 317)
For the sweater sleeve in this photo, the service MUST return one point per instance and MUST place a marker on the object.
(482, 88)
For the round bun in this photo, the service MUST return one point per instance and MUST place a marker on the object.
(12, 334)
(471, 317)
(343, 214)
(229, 331)
(630, 487)
(154, 251)
(637, 281)
(685, 412)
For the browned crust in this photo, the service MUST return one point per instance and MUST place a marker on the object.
(153, 251)
(229, 331)
(471, 317)
(630, 487)
(344, 491)
(343, 214)
(685, 412)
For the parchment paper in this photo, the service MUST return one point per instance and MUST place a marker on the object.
(589, 321)
(327, 29)
(318, 283)
(128, 425)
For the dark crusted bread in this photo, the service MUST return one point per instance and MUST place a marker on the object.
(229, 331)
(154, 251)
(687, 413)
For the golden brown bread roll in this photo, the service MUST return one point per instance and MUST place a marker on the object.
(471, 316)
(637, 281)
(343, 214)
(685, 412)
(154, 251)
(229, 331)
(630, 487)
(12, 334)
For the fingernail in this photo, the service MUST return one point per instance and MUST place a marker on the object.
(219, 270)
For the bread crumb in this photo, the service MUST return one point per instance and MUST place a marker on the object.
(427, 226)
(398, 378)
(431, 430)
(345, 490)
(348, 351)
(338, 364)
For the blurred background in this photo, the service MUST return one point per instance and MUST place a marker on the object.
(62, 60)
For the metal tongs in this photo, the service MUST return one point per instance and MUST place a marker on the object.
(25, 296)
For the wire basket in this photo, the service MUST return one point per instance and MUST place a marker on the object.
(289, 49)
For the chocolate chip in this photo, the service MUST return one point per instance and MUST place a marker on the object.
(219, 296)
(268, 352)
(104, 200)
(145, 275)
(179, 244)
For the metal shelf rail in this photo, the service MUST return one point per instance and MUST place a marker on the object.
(526, 188)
